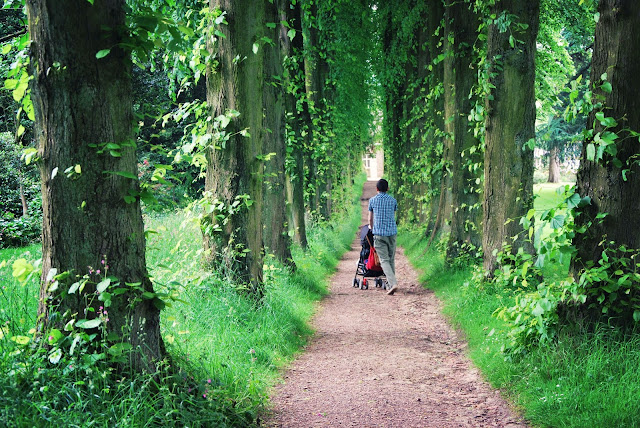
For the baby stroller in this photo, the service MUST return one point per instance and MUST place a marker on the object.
(374, 271)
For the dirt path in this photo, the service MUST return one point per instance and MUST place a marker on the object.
(385, 361)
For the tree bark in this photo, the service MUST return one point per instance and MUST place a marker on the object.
(508, 162)
(438, 180)
(92, 222)
(235, 170)
(615, 52)
(313, 87)
(466, 217)
(276, 237)
(446, 198)
(299, 119)
(554, 165)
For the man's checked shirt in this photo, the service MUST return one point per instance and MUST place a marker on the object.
(384, 208)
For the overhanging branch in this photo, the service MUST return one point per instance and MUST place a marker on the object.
(13, 36)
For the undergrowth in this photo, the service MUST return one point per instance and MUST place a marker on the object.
(584, 377)
(224, 350)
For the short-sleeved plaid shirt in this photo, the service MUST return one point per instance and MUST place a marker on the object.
(384, 209)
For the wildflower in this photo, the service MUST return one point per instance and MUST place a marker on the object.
(102, 261)
(50, 338)
(189, 390)
(204, 395)
(98, 271)
(208, 380)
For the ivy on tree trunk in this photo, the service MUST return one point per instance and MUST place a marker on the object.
(510, 127)
(92, 222)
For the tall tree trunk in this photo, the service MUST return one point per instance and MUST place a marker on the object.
(435, 15)
(419, 187)
(316, 107)
(554, 164)
(326, 176)
(445, 207)
(297, 112)
(235, 169)
(20, 177)
(92, 223)
(467, 213)
(617, 41)
(276, 236)
(508, 162)
(440, 113)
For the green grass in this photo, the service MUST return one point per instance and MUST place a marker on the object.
(225, 351)
(18, 303)
(585, 379)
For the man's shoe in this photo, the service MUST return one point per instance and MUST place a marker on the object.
(393, 290)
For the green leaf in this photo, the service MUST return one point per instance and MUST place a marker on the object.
(608, 122)
(636, 316)
(224, 120)
(255, 48)
(10, 84)
(102, 53)
(102, 285)
(119, 348)
(148, 295)
(573, 201)
(21, 340)
(608, 137)
(558, 221)
(29, 154)
(20, 90)
(6, 49)
(186, 30)
(74, 287)
(606, 87)
(55, 356)
(21, 269)
(291, 33)
(88, 324)
(591, 152)
(54, 336)
(124, 174)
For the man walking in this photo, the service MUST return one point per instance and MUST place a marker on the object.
(382, 222)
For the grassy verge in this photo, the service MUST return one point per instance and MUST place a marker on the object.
(224, 350)
(585, 379)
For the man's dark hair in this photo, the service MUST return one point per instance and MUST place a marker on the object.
(382, 185)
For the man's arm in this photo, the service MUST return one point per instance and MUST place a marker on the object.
(371, 220)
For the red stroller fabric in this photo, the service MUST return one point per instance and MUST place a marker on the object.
(373, 262)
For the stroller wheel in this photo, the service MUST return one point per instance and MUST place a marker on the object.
(355, 282)
(365, 284)
(378, 283)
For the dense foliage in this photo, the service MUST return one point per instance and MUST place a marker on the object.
(430, 81)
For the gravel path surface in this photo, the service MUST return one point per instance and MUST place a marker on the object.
(385, 361)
